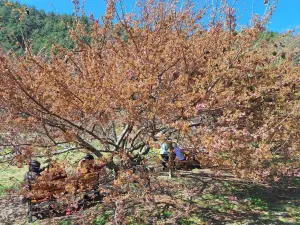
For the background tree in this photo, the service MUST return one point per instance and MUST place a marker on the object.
(20, 24)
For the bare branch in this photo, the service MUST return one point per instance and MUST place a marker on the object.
(136, 135)
(122, 135)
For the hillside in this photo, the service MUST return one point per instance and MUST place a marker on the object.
(19, 22)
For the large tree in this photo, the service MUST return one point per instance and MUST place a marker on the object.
(168, 72)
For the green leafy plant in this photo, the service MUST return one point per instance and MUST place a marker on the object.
(258, 202)
(65, 222)
(101, 220)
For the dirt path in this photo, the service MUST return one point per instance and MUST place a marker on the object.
(12, 211)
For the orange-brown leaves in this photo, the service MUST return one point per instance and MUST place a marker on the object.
(162, 68)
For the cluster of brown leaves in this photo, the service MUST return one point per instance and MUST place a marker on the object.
(160, 69)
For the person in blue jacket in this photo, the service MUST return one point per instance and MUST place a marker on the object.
(178, 152)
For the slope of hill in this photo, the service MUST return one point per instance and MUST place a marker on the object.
(19, 22)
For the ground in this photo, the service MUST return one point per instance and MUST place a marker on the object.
(223, 200)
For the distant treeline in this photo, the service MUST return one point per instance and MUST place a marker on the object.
(19, 22)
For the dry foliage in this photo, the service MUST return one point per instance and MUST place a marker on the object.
(164, 70)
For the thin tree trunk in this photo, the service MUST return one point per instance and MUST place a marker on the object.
(171, 164)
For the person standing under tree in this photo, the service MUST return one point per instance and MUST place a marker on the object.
(164, 154)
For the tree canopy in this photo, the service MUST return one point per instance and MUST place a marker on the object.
(171, 78)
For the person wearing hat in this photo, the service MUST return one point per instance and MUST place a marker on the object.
(35, 171)
(31, 176)
(88, 165)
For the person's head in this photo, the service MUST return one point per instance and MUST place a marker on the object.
(89, 157)
(34, 166)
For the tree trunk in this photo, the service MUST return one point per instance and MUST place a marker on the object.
(171, 164)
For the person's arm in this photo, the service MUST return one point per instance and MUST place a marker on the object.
(100, 166)
(79, 168)
(42, 169)
(158, 154)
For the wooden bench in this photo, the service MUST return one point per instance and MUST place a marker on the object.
(44, 192)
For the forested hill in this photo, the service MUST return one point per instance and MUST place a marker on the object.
(19, 22)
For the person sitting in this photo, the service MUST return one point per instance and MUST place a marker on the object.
(30, 177)
(34, 171)
(178, 152)
(88, 165)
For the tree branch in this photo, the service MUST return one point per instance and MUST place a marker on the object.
(122, 135)
(136, 135)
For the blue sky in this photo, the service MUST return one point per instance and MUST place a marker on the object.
(286, 16)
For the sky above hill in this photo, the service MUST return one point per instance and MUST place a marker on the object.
(286, 16)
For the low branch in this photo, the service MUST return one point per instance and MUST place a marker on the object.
(114, 134)
(67, 150)
(60, 152)
(29, 144)
(133, 148)
(145, 150)
(89, 146)
(48, 134)
(136, 135)
(122, 135)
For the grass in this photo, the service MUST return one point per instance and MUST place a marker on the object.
(254, 203)
(10, 178)
(65, 222)
(232, 203)
(237, 202)
(193, 219)
(103, 219)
